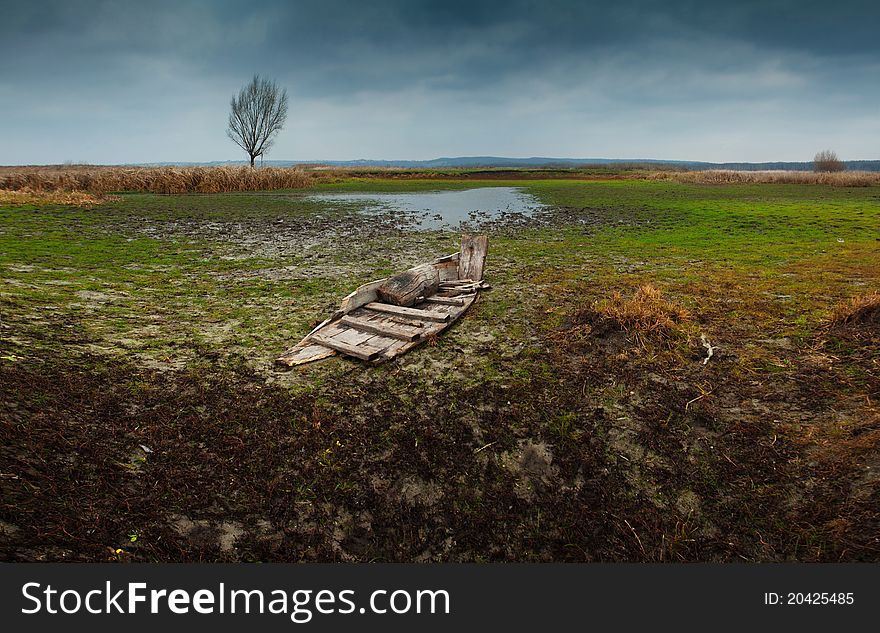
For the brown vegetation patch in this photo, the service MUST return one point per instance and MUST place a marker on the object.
(729, 177)
(862, 310)
(168, 180)
(586, 457)
(73, 198)
(646, 316)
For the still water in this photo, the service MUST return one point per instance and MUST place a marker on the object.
(443, 209)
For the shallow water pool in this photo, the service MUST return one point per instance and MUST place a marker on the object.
(435, 210)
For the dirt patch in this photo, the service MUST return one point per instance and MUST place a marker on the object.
(532, 464)
(412, 491)
(240, 470)
(203, 533)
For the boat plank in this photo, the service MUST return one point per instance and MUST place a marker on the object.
(379, 326)
(396, 349)
(362, 295)
(304, 353)
(444, 301)
(473, 256)
(346, 335)
(381, 342)
(427, 315)
(358, 351)
(457, 292)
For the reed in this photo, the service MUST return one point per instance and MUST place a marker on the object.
(72, 198)
(99, 180)
(729, 177)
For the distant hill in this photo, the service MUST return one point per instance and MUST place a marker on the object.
(543, 162)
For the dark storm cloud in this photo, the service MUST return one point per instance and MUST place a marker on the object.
(129, 81)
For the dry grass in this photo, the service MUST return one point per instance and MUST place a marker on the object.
(860, 310)
(729, 176)
(74, 198)
(645, 315)
(168, 180)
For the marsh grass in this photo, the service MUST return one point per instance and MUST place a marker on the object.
(730, 177)
(71, 198)
(166, 180)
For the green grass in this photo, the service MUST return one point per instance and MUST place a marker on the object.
(161, 266)
(742, 224)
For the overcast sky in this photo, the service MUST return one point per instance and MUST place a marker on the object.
(126, 82)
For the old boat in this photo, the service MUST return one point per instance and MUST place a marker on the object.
(388, 317)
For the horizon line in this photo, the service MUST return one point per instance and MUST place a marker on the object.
(390, 161)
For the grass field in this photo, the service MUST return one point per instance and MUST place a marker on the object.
(143, 419)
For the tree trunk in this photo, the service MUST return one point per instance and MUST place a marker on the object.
(252, 161)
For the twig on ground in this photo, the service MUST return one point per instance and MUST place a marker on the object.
(642, 547)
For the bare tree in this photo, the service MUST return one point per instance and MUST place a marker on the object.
(256, 115)
(826, 160)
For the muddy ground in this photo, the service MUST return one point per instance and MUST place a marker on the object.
(531, 431)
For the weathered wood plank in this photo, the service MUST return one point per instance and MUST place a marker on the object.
(473, 256)
(380, 341)
(304, 354)
(394, 349)
(403, 289)
(457, 292)
(378, 327)
(403, 320)
(444, 301)
(447, 258)
(447, 271)
(362, 295)
(407, 312)
(456, 289)
(358, 351)
(346, 334)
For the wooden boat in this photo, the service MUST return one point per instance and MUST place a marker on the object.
(388, 317)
